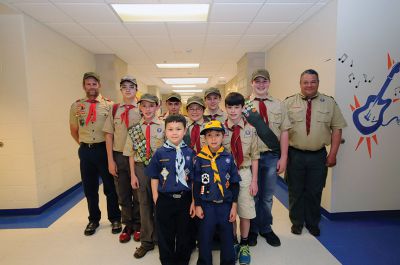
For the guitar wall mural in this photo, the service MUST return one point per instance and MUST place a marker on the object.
(372, 116)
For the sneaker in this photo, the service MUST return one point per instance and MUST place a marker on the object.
(236, 247)
(125, 236)
(271, 239)
(244, 255)
(252, 239)
(116, 227)
(296, 229)
(136, 236)
(91, 228)
(141, 252)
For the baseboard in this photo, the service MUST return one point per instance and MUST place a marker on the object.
(37, 211)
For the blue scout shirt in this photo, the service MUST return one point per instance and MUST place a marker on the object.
(162, 167)
(204, 175)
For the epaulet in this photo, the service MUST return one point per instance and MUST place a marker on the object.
(79, 99)
(290, 96)
(327, 96)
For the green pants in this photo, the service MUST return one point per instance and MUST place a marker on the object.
(306, 175)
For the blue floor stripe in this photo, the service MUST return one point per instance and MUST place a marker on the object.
(365, 240)
(47, 217)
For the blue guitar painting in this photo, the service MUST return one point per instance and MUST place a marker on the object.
(369, 118)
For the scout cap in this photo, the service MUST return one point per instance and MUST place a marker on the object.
(260, 73)
(212, 126)
(91, 74)
(174, 95)
(195, 99)
(149, 97)
(129, 79)
(212, 90)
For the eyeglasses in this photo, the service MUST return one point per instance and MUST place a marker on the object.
(195, 109)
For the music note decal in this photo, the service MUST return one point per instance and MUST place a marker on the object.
(343, 58)
(351, 77)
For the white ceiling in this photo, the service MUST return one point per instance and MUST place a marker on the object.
(234, 27)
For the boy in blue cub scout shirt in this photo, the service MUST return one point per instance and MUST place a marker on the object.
(215, 191)
(171, 170)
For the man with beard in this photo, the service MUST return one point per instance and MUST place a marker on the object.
(86, 119)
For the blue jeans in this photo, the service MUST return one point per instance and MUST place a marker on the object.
(267, 177)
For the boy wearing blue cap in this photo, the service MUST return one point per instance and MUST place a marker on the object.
(171, 170)
(215, 191)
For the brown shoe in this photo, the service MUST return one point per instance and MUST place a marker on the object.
(141, 251)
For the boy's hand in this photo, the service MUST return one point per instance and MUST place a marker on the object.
(232, 214)
(112, 168)
(281, 166)
(192, 210)
(253, 188)
(199, 212)
(134, 182)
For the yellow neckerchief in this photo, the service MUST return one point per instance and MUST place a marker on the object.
(206, 154)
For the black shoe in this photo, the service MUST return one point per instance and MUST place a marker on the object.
(313, 229)
(91, 228)
(116, 227)
(252, 239)
(296, 229)
(271, 238)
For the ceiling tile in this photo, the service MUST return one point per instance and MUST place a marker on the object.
(45, 12)
(281, 12)
(267, 28)
(153, 42)
(147, 29)
(106, 29)
(233, 12)
(227, 28)
(221, 41)
(89, 13)
(311, 11)
(92, 44)
(187, 43)
(69, 29)
(183, 29)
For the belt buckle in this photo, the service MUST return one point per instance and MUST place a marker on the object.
(176, 196)
(218, 201)
(90, 145)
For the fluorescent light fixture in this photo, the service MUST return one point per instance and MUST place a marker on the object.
(161, 12)
(178, 65)
(184, 86)
(185, 81)
(188, 90)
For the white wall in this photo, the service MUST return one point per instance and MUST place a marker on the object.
(312, 45)
(367, 31)
(41, 77)
(17, 166)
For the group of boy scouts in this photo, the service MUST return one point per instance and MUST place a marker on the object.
(175, 180)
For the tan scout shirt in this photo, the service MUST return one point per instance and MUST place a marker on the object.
(115, 125)
(325, 116)
(277, 118)
(156, 138)
(93, 132)
(249, 138)
(220, 115)
(190, 125)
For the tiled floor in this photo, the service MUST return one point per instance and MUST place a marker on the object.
(63, 242)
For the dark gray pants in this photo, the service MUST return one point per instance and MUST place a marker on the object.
(127, 197)
(306, 175)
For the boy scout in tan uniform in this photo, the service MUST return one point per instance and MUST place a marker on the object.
(317, 122)
(212, 97)
(275, 116)
(245, 147)
(120, 118)
(174, 104)
(86, 118)
(142, 141)
(195, 108)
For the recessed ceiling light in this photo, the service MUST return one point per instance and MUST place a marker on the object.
(178, 65)
(183, 86)
(161, 12)
(188, 90)
(185, 80)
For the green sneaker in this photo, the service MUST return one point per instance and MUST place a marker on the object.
(244, 255)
